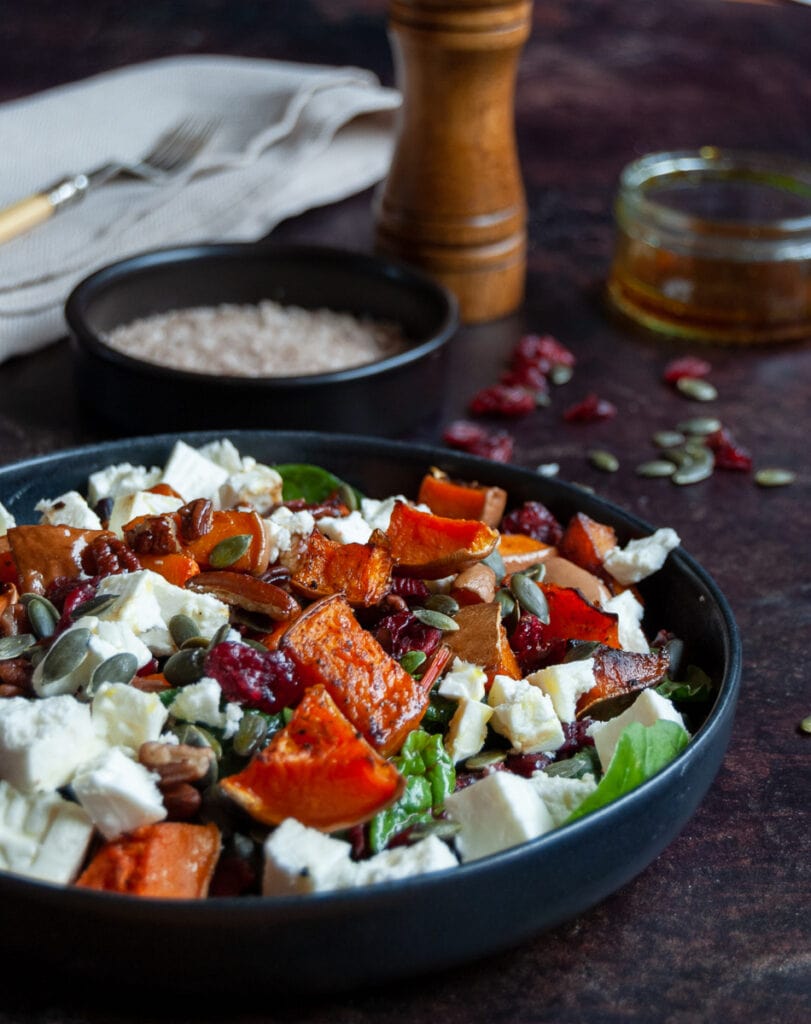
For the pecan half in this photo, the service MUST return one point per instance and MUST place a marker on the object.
(176, 763)
(15, 677)
(106, 555)
(246, 592)
(153, 535)
(182, 801)
(196, 519)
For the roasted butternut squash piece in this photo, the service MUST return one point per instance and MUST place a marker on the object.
(211, 550)
(43, 552)
(329, 647)
(168, 860)
(175, 567)
(482, 640)
(318, 770)
(519, 552)
(430, 546)
(586, 542)
(572, 617)
(457, 500)
(361, 572)
(620, 676)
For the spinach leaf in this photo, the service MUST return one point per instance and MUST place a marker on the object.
(694, 688)
(308, 482)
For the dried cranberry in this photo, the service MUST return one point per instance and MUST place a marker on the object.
(69, 598)
(526, 764)
(265, 680)
(533, 519)
(502, 400)
(589, 410)
(685, 366)
(403, 632)
(530, 647)
(728, 454)
(410, 588)
(576, 737)
(470, 437)
(542, 351)
(527, 376)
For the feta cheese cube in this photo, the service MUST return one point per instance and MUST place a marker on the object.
(126, 717)
(260, 487)
(524, 715)
(497, 812)
(127, 507)
(42, 835)
(118, 793)
(464, 679)
(649, 707)
(123, 478)
(564, 683)
(562, 795)
(377, 513)
(640, 558)
(69, 509)
(7, 520)
(147, 602)
(192, 475)
(225, 453)
(467, 730)
(299, 860)
(43, 742)
(200, 702)
(420, 858)
(351, 529)
(629, 614)
(283, 526)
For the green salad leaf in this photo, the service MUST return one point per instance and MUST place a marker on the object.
(694, 688)
(301, 480)
(642, 751)
(430, 777)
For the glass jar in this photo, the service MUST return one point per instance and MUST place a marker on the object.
(715, 245)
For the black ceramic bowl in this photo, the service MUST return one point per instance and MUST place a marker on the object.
(336, 941)
(385, 398)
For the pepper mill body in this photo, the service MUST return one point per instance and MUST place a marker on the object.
(453, 202)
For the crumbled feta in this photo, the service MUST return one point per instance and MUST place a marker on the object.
(377, 513)
(463, 679)
(350, 529)
(225, 453)
(629, 614)
(42, 835)
(640, 558)
(123, 478)
(420, 858)
(649, 707)
(260, 487)
(43, 742)
(467, 730)
(147, 602)
(118, 793)
(127, 507)
(281, 528)
(562, 795)
(564, 683)
(200, 702)
(524, 715)
(69, 509)
(192, 475)
(124, 716)
(495, 813)
(7, 520)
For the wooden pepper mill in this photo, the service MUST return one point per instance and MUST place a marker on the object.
(453, 202)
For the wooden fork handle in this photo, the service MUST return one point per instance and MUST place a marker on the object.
(27, 213)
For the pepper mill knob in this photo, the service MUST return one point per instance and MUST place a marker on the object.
(453, 202)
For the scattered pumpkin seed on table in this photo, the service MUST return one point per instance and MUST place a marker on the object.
(604, 460)
(774, 477)
(697, 389)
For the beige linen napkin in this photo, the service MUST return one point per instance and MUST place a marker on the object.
(290, 137)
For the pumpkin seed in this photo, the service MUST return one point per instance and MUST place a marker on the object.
(118, 668)
(194, 641)
(348, 496)
(529, 596)
(559, 373)
(656, 467)
(542, 400)
(496, 563)
(66, 655)
(182, 628)
(197, 736)
(697, 388)
(229, 551)
(507, 602)
(773, 477)
(548, 469)
(442, 603)
(692, 471)
(805, 725)
(412, 660)
(668, 438)
(184, 667)
(429, 617)
(16, 646)
(220, 635)
(701, 425)
(94, 605)
(255, 644)
(42, 616)
(485, 759)
(252, 730)
(603, 460)
(536, 572)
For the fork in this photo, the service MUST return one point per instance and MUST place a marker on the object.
(172, 151)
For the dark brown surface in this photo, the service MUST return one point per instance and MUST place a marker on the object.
(717, 929)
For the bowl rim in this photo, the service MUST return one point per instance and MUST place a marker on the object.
(83, 293)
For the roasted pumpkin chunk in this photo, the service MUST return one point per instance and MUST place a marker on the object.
(430, 546)
(461, 500)
(361, 572)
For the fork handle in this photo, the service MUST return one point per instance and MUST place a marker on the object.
(27, 213)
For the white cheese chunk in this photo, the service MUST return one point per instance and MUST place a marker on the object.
(562, 795)
(648, 708)
(43, 742)
(200, 702)
(225, 453)
(495, 813)
(147, 602)
(467, 730)
(377, 513)
(192, 475)
(127, 507)
(629, 614)
(260, 487)
(69, 509)
(640, 558)
(118, 793)
(524, 715)
(420, 858)
(283, 526)
(351, 529)
(564, 683)
(7, 520)
(123, 478)
(463, 679)
(42, 835)
(126, 717)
